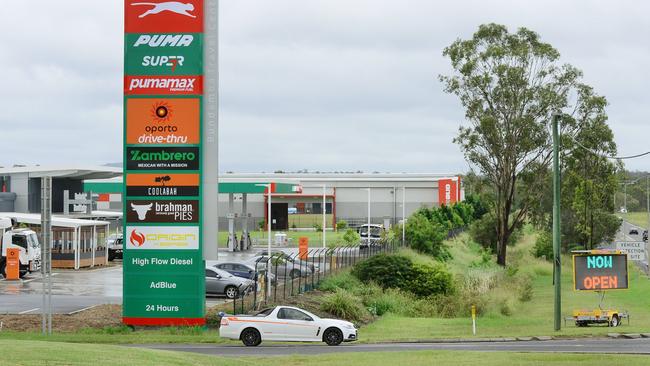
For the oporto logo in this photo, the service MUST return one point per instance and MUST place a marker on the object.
(137, 239)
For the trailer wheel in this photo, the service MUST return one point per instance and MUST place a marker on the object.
(615, 322)
(3, 268)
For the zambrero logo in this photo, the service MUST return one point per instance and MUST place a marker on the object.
(136, 238)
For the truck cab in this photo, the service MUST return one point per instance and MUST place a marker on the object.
(26, 241)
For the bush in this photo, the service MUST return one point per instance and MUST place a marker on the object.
(344, 280)
(428, 280)
(341, 225)
(385, 270)
(343, 304)
(484, 232)
(544, 246)
(426, 236)
(317, 227)
(351, 237)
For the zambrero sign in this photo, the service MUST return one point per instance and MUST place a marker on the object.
(164, 280)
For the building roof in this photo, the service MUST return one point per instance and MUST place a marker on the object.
(82, 172)
(57, 221)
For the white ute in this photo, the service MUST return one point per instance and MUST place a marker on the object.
(286, 323)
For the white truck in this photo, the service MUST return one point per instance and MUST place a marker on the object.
(286, 323)
(24, 239)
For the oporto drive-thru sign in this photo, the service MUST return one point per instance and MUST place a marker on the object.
(164, 281)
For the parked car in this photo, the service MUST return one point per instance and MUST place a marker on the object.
(114, 243)
(242, 270)
(286, 323)
(634, 232)
(292, 259)
(281, 267)
(375, 235)
(219, 282)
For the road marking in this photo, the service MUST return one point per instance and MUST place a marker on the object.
(84, 309)
(37, 278)
(28, 311)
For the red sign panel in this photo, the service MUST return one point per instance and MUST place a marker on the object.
(163, 85)
(159, 16)
(447, 191)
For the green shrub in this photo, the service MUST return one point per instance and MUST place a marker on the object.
(344, 280)
(385, 270)
(428, 280)
(351, 237)
(484, 232)
(427, 236)
(341, 225)
(526, 289)
(317, 227)
(544, 246)
(343, 304)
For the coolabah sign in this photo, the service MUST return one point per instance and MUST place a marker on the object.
(164, 279)
(162, 237)
(162, 185)
(176, 211)
(165, 158)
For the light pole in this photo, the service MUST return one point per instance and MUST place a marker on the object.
(268, 230)
(404, 216)
(324, 214)
(557, 264)
(368, 228)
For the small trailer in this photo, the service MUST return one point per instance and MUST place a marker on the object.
(611, 317)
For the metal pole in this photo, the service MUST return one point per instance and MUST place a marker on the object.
(368, 231)
(556, 225)
(43, 239)
(209, 133)
(324, 214)
(403, 216)
(647, 205)
(268, 229)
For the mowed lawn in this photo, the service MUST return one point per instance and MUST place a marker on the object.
(29, 353)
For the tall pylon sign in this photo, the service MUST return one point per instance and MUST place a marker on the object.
(164, 273)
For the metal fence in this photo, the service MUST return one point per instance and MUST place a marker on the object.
(294, 274)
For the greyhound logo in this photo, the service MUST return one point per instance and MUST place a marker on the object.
(141, 210)
(172, 6)
(137, 239)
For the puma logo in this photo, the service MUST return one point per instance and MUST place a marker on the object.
(172, 6)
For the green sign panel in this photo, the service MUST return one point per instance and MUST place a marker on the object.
(163, 54)
(164, 270)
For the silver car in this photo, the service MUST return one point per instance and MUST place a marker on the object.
(219, 282)
(281, 267)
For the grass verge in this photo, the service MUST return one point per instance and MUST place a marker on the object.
(55, 353)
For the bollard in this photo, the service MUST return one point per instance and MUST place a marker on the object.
(474, 319)
(12, 268)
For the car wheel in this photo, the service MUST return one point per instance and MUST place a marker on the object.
(333, 336)
(294, 273)
(3, 269)
(111, 256)
(615, 322)
(250, 337)
(231, 292)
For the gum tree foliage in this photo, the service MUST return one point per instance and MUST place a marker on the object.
(510, 85)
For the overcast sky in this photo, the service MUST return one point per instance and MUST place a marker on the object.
(319, 85)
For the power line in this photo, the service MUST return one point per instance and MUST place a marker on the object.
(609, 156)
